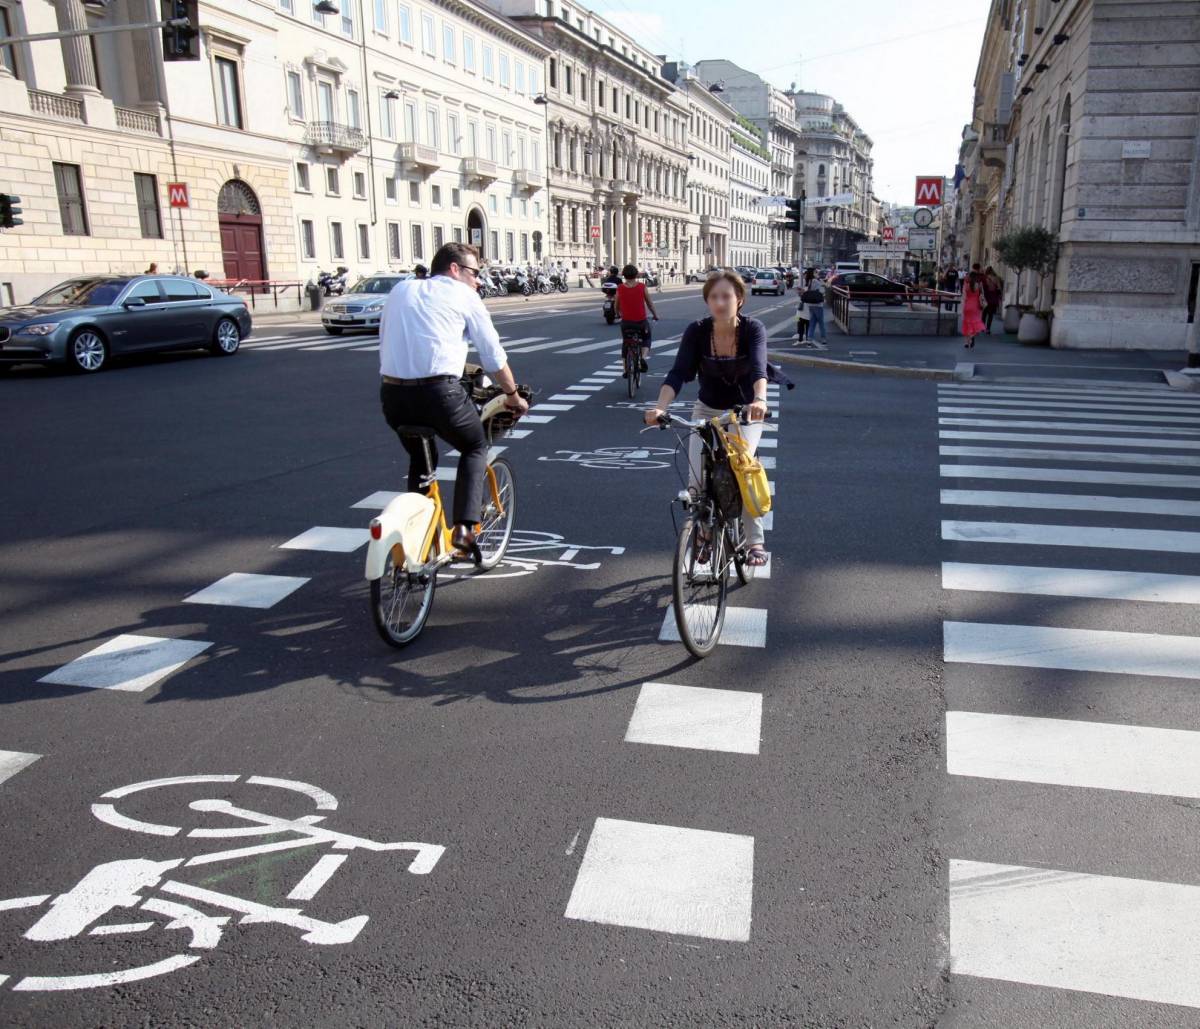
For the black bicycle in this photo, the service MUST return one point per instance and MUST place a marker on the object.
(711, 544)
(633, 337)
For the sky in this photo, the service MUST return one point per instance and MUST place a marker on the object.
(904, 69)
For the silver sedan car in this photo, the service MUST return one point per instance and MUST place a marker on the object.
(84, 322)
(362, 306)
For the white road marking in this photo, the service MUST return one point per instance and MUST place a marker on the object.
(1110, 538)
(985, 471)
(1080, 650)
(518, 433)
(356, 343)
(1152, 394)
(691, 882)
(14, 761)
(361, 350)
(1149, 587)
(594, 346)
(378, 500)
(327, 538)
(1074, 931)
(586, 387)
(1067, 752)
(99, 979)
(537, 419)
(573, 397)
(553, 343)
(767, 461)
(768, 443)
(1158, 430)
(1071, 502)
(245, 589)
(744, 626)
(1090, 441)
(1074, 412)
(1100, 406)
(127, 662)
(539, 407)
(1169, 401)
(507, 343)
(1088, 456)
(317, 876)
(696, 718)
(307, 341)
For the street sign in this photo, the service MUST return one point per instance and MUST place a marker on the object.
(889, 234)
(648, 238)
(929, 190)
(595, 232)
(477, 237)
(177, 193)
(921, 239)
(836, 200)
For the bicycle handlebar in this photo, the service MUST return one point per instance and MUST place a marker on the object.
(665, 420)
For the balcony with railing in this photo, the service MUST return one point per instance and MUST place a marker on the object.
(55, 105)
(480, 169)
(523, 178)
(330, 137)
(418, 155)
(133, 120)
(993, 144)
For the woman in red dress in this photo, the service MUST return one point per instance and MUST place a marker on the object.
(972, 323)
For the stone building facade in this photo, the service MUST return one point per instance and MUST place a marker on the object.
(750, 176)
(618, 139)
(1086, 122)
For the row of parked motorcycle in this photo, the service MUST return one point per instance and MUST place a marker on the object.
(495, 282)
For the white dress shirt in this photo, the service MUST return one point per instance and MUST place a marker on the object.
(426, 324)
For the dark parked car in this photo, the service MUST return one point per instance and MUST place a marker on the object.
(746, 272)
(869, 286)
(85, 322)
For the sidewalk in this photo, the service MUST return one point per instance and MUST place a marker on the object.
(994, 358)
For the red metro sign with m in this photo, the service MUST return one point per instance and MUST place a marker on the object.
(929, 190)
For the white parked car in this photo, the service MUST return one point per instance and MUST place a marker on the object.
(361, 307)
(768, 282)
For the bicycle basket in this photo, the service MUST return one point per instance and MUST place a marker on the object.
(750, 475)
(497, 419)
(723, 485)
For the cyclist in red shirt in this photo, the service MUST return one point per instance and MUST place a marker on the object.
(633, 301)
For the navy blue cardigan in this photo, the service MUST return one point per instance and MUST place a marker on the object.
(723, 383)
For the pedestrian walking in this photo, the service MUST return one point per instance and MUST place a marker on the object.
(813, 298)
(993, 291)
(972, 320)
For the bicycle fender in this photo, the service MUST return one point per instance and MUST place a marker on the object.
(404, 523)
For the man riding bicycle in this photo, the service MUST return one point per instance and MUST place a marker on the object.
(423, 335)
(633, 301)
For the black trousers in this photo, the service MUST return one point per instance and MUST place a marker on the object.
(445, 408)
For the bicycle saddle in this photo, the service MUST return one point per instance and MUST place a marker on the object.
(421, 431)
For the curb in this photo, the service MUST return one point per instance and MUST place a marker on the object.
(961, 372)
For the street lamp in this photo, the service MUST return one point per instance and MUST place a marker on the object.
(326, 7)
(392, 94)
(541, 99)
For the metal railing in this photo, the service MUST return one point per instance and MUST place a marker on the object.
(840, 299)
(137, 121)
(55, 105)
(253, 287)
(333, 134)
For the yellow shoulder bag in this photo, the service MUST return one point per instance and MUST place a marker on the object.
(751, 475)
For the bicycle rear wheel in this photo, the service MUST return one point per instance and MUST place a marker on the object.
(496, 525)
(737, 551)
(700, 581)
(400, 603)
(631, 370)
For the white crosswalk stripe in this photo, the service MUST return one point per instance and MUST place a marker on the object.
(1070, 930)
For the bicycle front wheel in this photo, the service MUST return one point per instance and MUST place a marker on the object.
(496, 526)
(631, 367)
(700, 580)
(400, 603)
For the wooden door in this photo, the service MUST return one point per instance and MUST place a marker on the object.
(241, 247)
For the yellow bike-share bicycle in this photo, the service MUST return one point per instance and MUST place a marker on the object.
(410, 539)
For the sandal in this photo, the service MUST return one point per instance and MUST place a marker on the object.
(756, 557)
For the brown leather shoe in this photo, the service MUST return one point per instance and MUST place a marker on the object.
(463, 540)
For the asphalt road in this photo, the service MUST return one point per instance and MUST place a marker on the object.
(776, 851)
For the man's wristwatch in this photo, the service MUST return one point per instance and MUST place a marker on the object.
(506, 392)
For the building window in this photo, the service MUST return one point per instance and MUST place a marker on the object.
(558, 223)
(489, 71)
(506, 150)
(553, 73)
(364, 241)
(348, 20)
(360, 185)
(68, 181)
(393, 238)
(352, 109)
(410, 121)
(452, 127)
(8, 55)
(493, 206)
(404, 16)
(494, 240)
(508, 206)
(435, 196)
(381, 16)
(456, 234)
(534, 79)
(295, 94)
(490, 138)
(432, 133)
(509, 248)
(537, 156)
(146, 188)
(569, 81)
(448, 43)
(504, 71)
(332, 186)
(468, 52)
(472, 139)
(427, 38)
(389, 189)
(439, 237)
(519, 76)
(524, 246)
(229, 92)
(308, 240)
(455, 198)
(338, 247)
(387, 116)
(418, 243)
(414, 193)
(302, 185)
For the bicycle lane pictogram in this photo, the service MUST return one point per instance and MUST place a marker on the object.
(151, 894)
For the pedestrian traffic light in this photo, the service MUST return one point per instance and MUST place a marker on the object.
(795, 209)
(10, 207)
(181, 42)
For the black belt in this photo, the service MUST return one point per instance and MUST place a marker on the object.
(391, 380)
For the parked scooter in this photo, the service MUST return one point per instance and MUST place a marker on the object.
(558, 281)
(333, 284)
(521, 283)
(542, 282)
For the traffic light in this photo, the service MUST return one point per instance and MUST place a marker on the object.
(10, 207)
(181, 42)
(795, 209)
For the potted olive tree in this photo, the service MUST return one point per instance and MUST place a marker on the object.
(1031, 248)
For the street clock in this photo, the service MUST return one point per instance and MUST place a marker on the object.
(923, 217)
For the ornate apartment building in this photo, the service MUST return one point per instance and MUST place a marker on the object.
(750, 176)
(1086, 123)
(363, 138)
(618, 136)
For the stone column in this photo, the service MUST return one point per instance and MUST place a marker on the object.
(618, 250)
(77, 51)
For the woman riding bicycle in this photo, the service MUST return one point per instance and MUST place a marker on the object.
(729, 355)
(633, 301)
